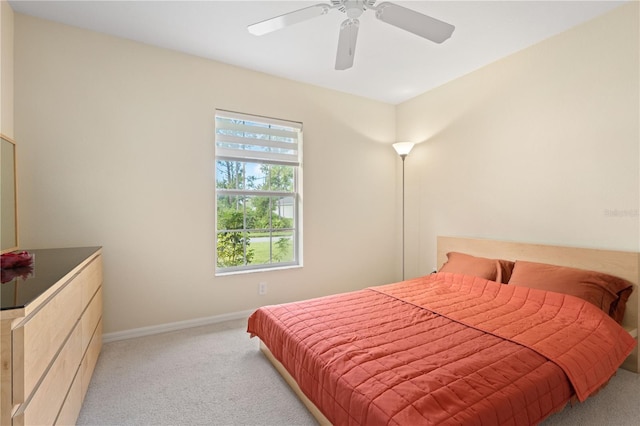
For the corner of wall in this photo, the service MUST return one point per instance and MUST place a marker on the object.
(6, 69)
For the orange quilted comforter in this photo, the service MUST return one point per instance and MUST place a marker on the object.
(443, 349)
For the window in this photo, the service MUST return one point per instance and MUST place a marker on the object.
(258, 174)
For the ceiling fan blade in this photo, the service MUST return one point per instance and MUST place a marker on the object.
(347, 44)
(414, 22)
(279, 22)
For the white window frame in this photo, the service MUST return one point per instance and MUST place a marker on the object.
(260, 140)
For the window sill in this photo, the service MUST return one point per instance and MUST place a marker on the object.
(253, 271)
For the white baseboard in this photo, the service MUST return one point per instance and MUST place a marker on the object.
(173, 326)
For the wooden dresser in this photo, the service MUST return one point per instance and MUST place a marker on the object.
(51, 336)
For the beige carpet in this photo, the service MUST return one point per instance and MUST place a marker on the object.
(210, 375)
(216, 375)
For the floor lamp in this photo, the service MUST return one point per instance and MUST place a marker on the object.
(403, 149)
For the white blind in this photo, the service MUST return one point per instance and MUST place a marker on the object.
(243, 137)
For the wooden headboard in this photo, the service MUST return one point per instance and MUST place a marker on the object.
(623, 264)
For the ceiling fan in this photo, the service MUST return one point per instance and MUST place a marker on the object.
(398, 16)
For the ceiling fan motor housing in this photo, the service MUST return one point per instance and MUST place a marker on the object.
(353, 8)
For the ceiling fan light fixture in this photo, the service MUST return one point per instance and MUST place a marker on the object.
(354, 8)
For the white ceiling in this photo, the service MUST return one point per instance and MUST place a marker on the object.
(391, 65)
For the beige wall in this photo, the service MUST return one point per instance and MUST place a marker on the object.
(6, 69)
(117, 150)
(542, 146)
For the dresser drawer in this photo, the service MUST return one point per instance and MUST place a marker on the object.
(90, 318)
(91, 279)
(72, 404)
(38, 339)
(90, 359)
(45, 404)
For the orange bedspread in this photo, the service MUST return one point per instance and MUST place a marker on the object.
(384, 356)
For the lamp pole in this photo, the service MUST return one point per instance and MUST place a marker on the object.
(403, 149)
(403, 156)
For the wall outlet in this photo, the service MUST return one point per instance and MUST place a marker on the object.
(262, 288)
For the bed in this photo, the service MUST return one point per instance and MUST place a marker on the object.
(479, 342)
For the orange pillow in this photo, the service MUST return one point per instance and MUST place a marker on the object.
(491, 269)
(605, 291)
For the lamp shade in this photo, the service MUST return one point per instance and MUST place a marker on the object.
(403, 148)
